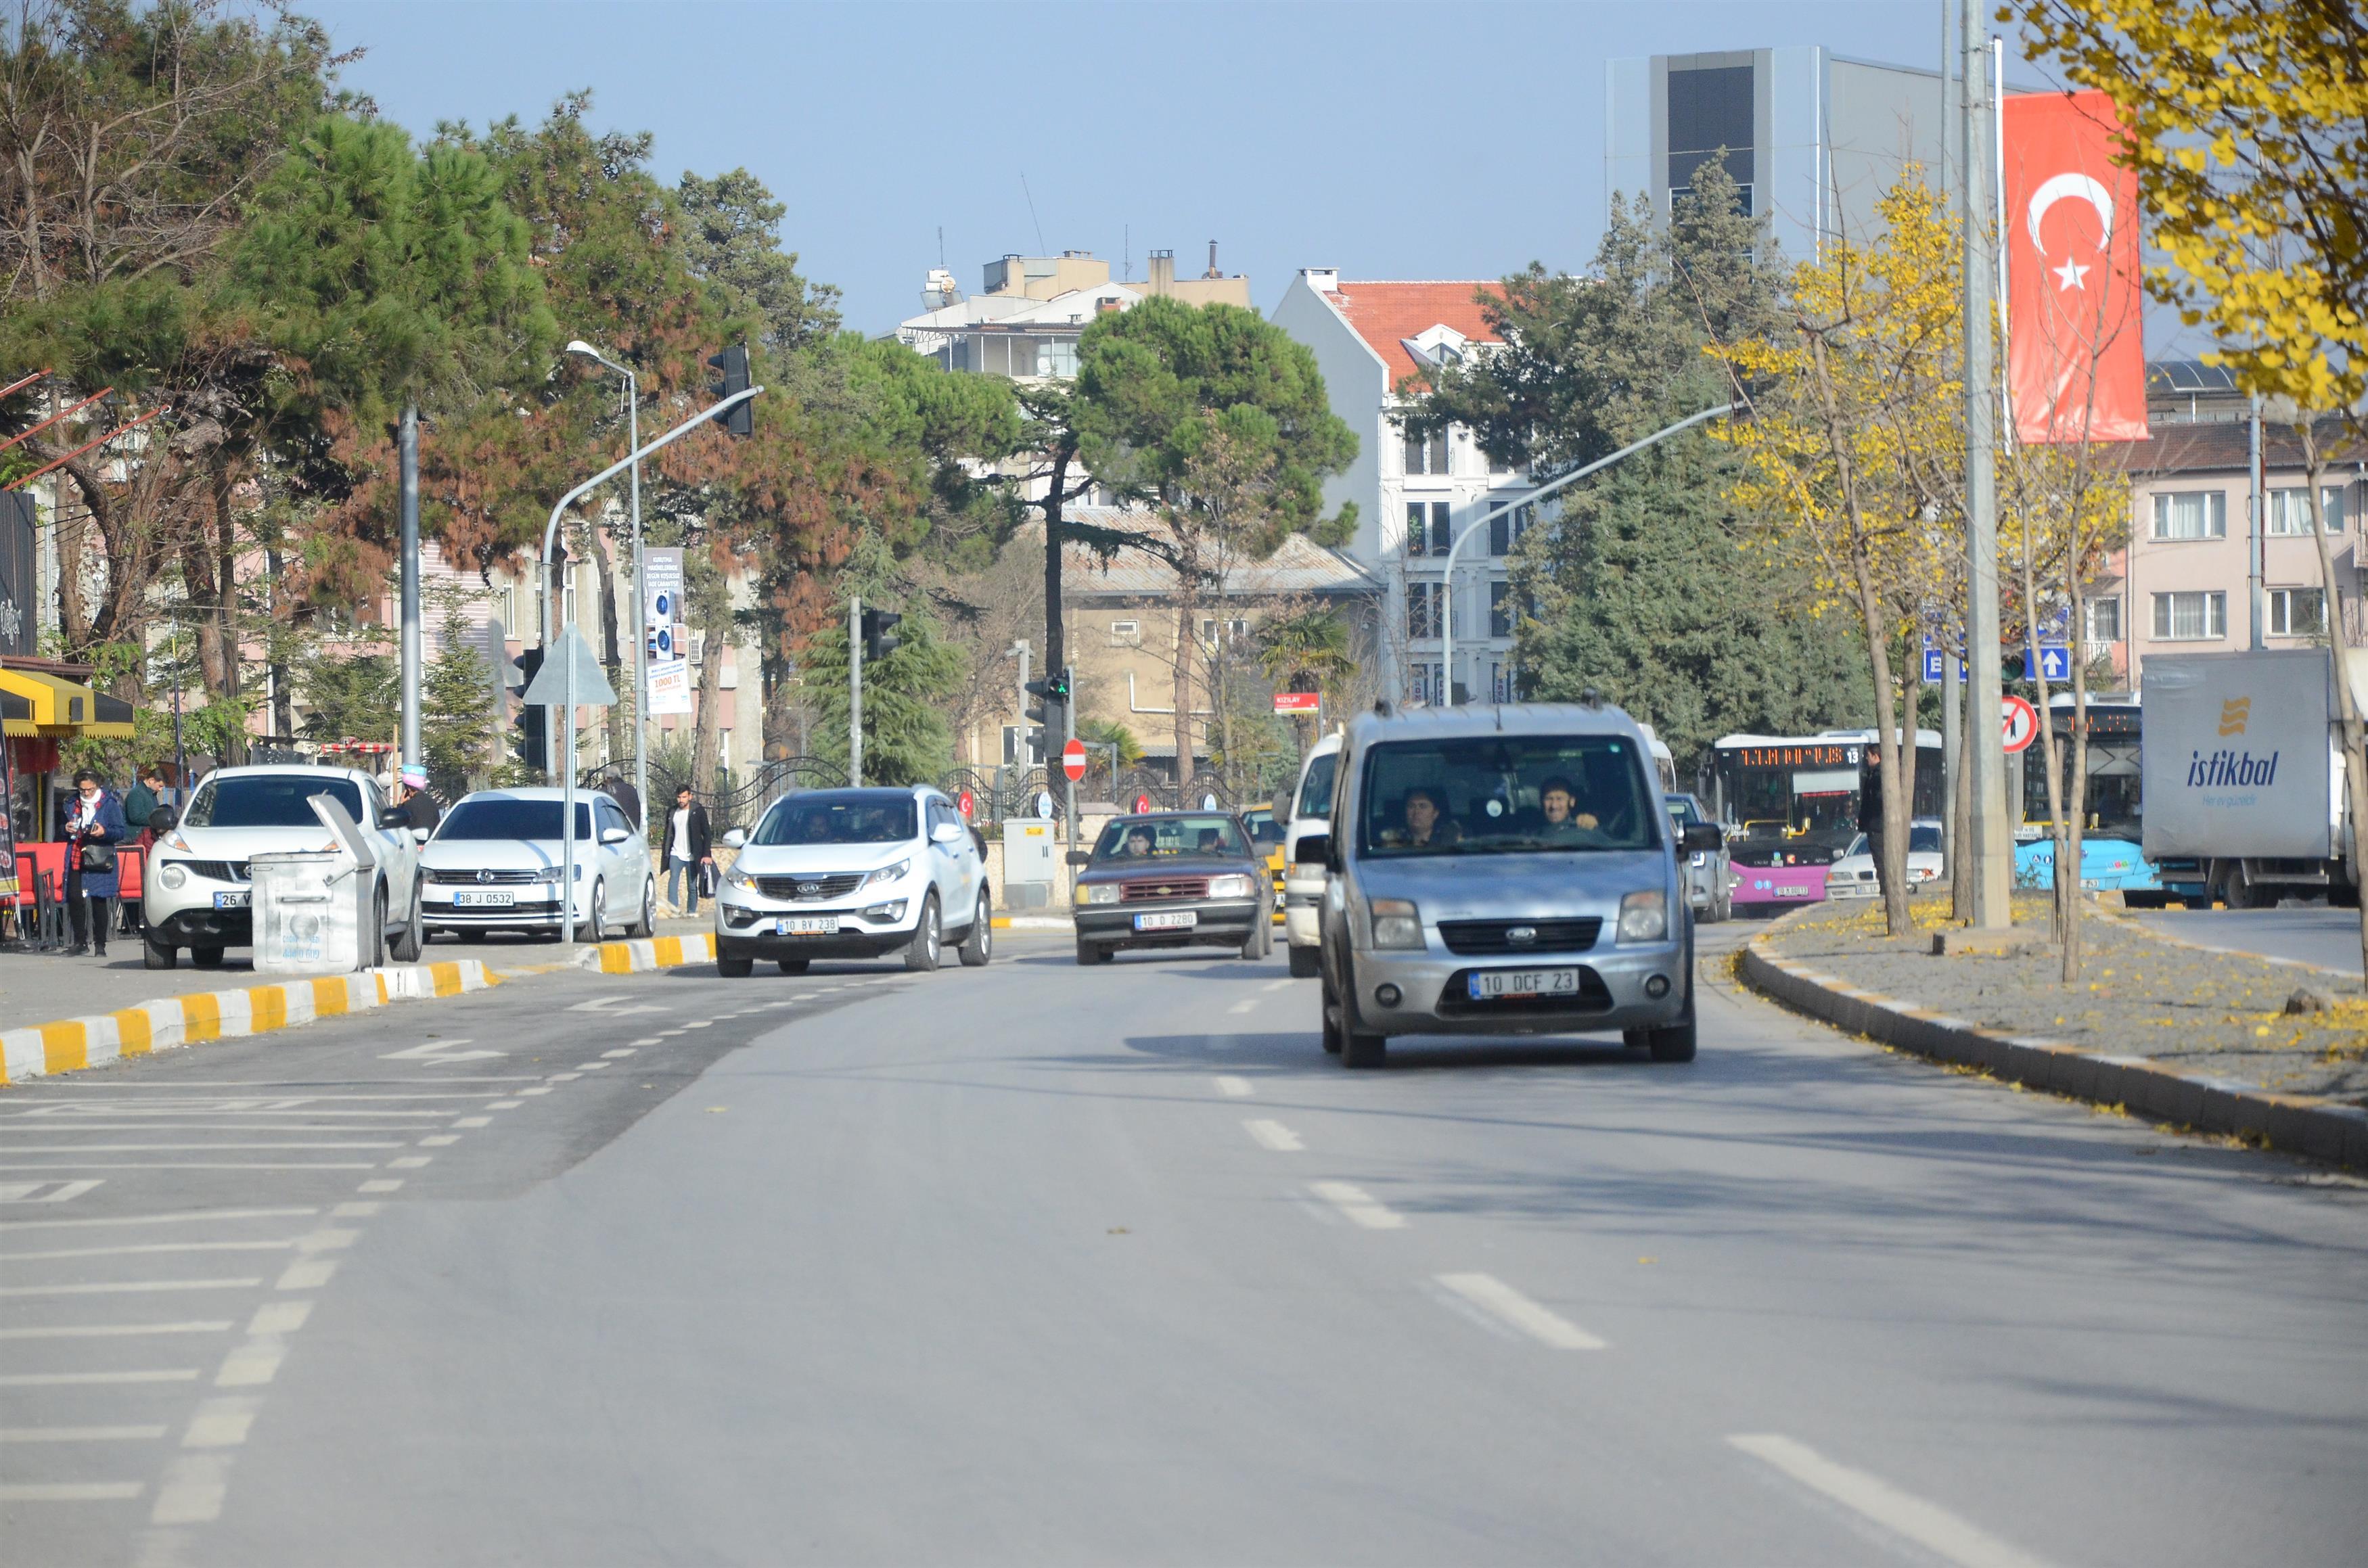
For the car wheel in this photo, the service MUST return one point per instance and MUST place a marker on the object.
(734, 968)
(1675, 1043)
(794, 966)
(1305, 963)
(978, 947)
(921, 956)
(596, 914)
(648, 924)
(1331, 1021)
(374, 939)
(1092, 952)
(414, 935)
(206, 958)
(154, 954)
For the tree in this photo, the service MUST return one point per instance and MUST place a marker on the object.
(457, 705)
(732, 241)
(1637, 590)
(1850, 450)
(905, 740)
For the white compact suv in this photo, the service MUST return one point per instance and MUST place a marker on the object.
(854, 874)
(197, 893)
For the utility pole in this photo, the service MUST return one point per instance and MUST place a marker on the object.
(408, 449)
(1988, 857)
(2256, 514)
(854, 691)
(1069, 714)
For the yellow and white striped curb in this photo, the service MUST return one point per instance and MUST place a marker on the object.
(71, 1044)
(652, 952)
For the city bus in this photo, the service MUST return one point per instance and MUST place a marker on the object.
(1799, 785)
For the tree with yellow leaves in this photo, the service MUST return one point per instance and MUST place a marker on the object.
(1853, 440)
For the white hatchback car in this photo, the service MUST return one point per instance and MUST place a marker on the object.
(493, 865)
(199, 894)
(1853, 876)
(854, 874)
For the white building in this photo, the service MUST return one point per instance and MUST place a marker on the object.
(1025, 324)
(1415, 497)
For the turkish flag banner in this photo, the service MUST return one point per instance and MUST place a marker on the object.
(2076, 340)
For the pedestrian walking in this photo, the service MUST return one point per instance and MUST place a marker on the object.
(415, 799)
(687, 853)
(628, 800)
(95, 827)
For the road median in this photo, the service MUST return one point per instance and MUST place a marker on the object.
(648, 953)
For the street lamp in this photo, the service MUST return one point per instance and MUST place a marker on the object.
(640, 630)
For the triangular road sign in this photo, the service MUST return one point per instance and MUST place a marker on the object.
(547, 690)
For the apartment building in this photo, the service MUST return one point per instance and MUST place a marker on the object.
(1026, 322)
(1417, 497)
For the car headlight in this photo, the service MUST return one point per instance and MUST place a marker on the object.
(1097, 892)
(173, 876)
(884, 875)
(1396, 923)
(173, 840)
(550, 874)
(1229, 887)
(736, 878)
(887, 913)
(1644, 917)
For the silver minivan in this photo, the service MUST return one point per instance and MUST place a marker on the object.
(1502, 870)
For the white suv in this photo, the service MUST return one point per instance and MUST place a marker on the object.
(854, 874)
(197, 893)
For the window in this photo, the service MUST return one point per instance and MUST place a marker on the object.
(1500, 610)
(1418, 531)
(1490, 795)
(2297, 612)
(2191, 514)
(1426, 685)
(2182, 618)
(1057, 357)
(504, 608)
(1506, 527)
(2105, 620)
(2289, 510)
(1710, 108)
(1425, 455)
(1234, 630)
(1428, 530)
(1502, 687)
(1126, 634)
(1422, 609)
(1020, 747)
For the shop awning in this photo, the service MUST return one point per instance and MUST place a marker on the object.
(58, 708)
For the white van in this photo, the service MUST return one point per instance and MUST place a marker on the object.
(1303, 886)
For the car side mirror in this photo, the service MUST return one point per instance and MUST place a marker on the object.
(161, 819)
(1314, 850)
(608, 835)
(734, 839)
(1702, 839)
(392, 817)
(1081, 856)
(418, 836)
(945, 833)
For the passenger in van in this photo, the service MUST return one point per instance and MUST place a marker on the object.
(1427, 822)
(1208, 845)
(1138, 842)
(1559, 801)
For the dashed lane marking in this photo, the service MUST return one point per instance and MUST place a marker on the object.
(59, 1379)
(1501, 1301)
(439, 1140)
(111, 1330)
(1928, 1525)
(128, 1287)
(409, 1162)
(70, 1492)
(192, 1490)
(1274, 1135)
(143, 1248)
(222, 1423)
(197, 1165)
(309, 1275)
(1277, 985)
(80, 1434)
(621, 1052)
(537, 1089)
(1359, 1205)
(382, 1184)
(1237, 1088)
(504, 1104)
(1244, 1006)
(475, 1121)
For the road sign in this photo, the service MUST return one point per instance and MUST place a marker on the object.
(1141, 804)
(548, 687)
(2055, 663)
(964, 804)
(1073, 760)
(1044, 804)
(1298, 702)
(1934, 669)
(2021, 724)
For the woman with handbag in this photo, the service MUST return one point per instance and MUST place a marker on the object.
(95, 826)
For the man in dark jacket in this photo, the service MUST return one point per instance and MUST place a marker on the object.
(413, 800)
(628, 800)
(685, 852)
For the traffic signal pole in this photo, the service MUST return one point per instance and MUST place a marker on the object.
(1989, 857)
(854, 691)
(1069, 714)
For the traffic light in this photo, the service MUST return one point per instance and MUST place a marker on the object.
(734, 364)
(1052, 722)
(877, 643)
(534, 719)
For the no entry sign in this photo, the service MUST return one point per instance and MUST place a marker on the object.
(2020, 723)
(1073, 760)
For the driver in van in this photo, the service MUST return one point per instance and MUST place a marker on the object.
(1559, 801)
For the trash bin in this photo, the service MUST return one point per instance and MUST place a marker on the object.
(308, 915)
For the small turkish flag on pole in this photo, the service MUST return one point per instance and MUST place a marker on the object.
(2076, 339)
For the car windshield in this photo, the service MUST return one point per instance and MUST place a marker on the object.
(1315, 790)
(270, 800)
(511, 819)
(1167, 838)
(1505, 794)
(1265, 832)
(843, 818)
(1924, 840)
(1682, 812)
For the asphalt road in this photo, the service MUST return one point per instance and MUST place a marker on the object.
(1044, 1264)
(2329, 937)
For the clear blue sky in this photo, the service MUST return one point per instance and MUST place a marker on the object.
(1402, 141)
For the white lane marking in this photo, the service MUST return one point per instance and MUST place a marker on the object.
(1244, 1006)
(111, 1329)
(197, 1216)
(307, 1275)
(475, 1121)
(647, 1040)
(220, 1423)
(1273, 1135)
(621, 1050)
(436, 1051)
(55, 1380)
(505, 1105)
(196, 1165)
(329, 1240)
(382, 1184)
(668, 1034)
(439, 1140)
(45, 1192)
(182, 1148)
(701, 1024)
(537, 1089)
(80, 1434)
(191, 1493)
(70, 1492)
(613, 1005)
(143, 1248)
(592, 1066)
(1359, 1205)
(800, 997)
(354, 1210)
(409, 1162)
(274, 1318)
(1928, 1525)
(561, 1078)
(1278, 985)
(1500, 1300)
(250, 1366)
(129, 1287)
(1237, 1088)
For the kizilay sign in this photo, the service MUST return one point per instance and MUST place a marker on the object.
(20, 622)
(669, 647)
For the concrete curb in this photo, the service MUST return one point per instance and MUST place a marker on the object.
(1033, 923)
(2303, 1124)
(649, 953)
(69, 1045)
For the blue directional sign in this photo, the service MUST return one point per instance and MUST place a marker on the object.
(1933, 668)
(2055, 663)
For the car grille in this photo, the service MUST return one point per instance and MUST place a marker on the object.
(806, 889)
(482, 878)
(217, 870)
(1495, 936)
(1171, 887)
(1455, 999)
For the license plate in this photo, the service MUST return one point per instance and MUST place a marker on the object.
(1495, 984)
(240, 899)
(807, 925)
(1791, 892)
(476, 899)
(1174, 920)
